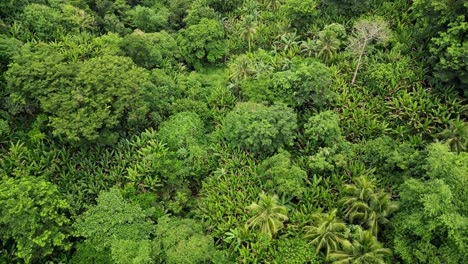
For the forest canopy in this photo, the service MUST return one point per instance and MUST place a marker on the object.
(237, 131)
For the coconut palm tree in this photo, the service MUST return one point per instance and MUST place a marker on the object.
(356, 204)
(365, 249)
(327, 232)
(249, 28)
(268, 215)
(367, 205)
(327, 44)
(381, 208)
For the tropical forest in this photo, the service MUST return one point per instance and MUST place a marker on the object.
(233, 131)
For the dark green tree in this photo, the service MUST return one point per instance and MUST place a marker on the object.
(260, 129)
(203, 43)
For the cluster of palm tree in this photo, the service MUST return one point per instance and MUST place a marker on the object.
(367, 205)
(364, 204)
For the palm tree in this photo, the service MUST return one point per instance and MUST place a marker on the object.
(327, 44)
(248, 29)
(356, 204)
(367, 205)
(328, 232)
(240, 68)
(268, 215)
(381, 208)
(456, 136)
(364, 249)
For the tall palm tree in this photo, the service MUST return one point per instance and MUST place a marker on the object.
(268, 215)
(328, 232)
(248, 29)
(365, 249)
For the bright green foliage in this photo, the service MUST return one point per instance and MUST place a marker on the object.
(392, 161)
(365, 249)
(260, 129)
(150, 50)
(323, 130)
(149, 19)
(280, 175)
(109, 87)
(294, 251)
(327, 232)
(32, 216)
(430, 227)
(367, 205)
(268, 215)
(306, 84)
(182, 130)
(452, 168)
(450, 56)
(131, 251)
(202, 43)
(182, 241)
(112, 224)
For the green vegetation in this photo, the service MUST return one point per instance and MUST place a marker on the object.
(237, 131)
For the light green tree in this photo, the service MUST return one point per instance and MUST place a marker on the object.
(33, 215)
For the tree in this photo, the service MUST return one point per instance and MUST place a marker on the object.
(150, 50)
(279, 174)
(149, 19)
(202, 43)
(182, 241)
(260, 129)
(327, 232)
(323, 130)
(85, 102)
(33, 218)
(330, 39)
(182, 130)
(365, 249)
(268, 215)
(431, 227)
(300, 13)
(366, 31)
(308, 84)
(111, 226)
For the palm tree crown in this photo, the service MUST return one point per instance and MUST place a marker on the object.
(365, 249)
(268, 215)
(328, 232)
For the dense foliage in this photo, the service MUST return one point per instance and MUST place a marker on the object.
(239, 131)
